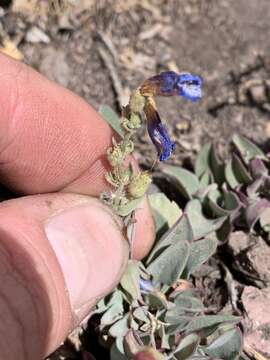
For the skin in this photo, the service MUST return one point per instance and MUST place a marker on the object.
(61, 249)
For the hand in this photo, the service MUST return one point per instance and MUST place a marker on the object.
(60, 249)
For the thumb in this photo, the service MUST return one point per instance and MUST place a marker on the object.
(59, 253)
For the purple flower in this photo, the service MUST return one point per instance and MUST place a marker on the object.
(189, 86)
(158, 133)
(169, 83)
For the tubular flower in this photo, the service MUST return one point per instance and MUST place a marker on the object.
(169, 83)
(158, 132)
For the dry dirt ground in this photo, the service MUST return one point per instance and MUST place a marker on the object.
(103, 49)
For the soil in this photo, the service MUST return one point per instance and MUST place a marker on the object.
(102, 50)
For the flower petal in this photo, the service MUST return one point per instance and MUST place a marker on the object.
(163, 84)
(189, 86)
(158, 133)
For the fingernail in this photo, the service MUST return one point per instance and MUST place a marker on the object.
(91, 251)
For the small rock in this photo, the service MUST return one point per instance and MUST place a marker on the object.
(35, 35)
(257, 93)
(257, 304)
(250, 258)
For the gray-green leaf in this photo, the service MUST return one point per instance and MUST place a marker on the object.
(202, 160)
(227, 346)
(200, 252)
(126, 209)
(130, 280)
(112, 119)
(179, 232)
(119, 328)
(187, 347)
(168, 209)
(200, 225)
(206, 321)
(186, 181)
(169, 265)
(247, 149)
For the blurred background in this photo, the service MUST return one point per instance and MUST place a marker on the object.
(104, 49)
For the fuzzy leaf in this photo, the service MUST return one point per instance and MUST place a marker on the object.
(231, 176)
(106, 302)
(189, 303)
(185, 180)
(165, 211)
(187, 347)
(227, 346)
(126, 209)
(176, 316)
(179, 232)
(207, 321)
(141, 314)
(247, 149)
(240, 170)
(112, 119)
(156, 301)
(229, 202)
(200, 225)
(213, 201)
(169, 265)
(202, 160)
(200, 252)
(114, 313)
(205, 180)
(116, 353)
(120, 327)
(130, 280)
(217, 166)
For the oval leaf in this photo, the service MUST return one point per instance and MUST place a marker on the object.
(179, 232)
(165, 211)
(187, 183)
(126, 209)
(202, 163)
(206, 321)
(169, 265)
(227, 347)
(187, 346)
(130, 280)
(120, 328)
(200, 225)
(200, 252)
(247, 149)
(112, 119)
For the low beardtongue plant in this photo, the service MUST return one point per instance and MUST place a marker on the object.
(155, 312)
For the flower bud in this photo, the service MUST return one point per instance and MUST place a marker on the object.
(133, 122)
(137, 101)
(139, 185)
(115, 155)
